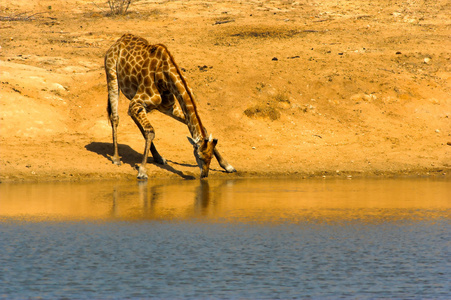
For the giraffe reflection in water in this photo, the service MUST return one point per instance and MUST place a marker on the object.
(153, 202)
(231, 200)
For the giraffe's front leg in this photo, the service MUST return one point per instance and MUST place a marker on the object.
(142, 171)
(138, 113)
(223, 163)
(156, 156)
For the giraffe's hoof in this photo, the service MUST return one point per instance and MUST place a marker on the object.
(142, 174)
(230, 169)
(115, 159)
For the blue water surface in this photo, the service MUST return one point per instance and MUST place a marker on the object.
(169, 260)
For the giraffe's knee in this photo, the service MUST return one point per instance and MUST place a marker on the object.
(150, 133)
(136, 108)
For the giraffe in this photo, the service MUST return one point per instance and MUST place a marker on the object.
(149, 77)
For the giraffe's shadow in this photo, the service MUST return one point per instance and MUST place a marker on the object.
(131, 157)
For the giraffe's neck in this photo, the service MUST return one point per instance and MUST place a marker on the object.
(179, 87)
(193, 120)
(186, 100)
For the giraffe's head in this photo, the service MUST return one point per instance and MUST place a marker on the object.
(203, 152)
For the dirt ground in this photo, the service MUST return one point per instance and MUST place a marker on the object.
(290, 88)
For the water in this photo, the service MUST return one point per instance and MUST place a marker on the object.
(225, 239)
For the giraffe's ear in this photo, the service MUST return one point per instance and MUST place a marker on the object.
(192, 142)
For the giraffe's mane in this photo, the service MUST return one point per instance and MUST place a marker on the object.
(186, 87)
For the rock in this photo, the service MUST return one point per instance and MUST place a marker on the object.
(363, 97)
(369, 97)
(57, 86)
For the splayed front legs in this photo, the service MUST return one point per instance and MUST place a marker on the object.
(138, 113)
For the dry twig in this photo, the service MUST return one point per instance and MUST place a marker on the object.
(223, 22)
(21, 17)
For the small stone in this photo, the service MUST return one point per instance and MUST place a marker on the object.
(369, 97)
(427, 60)
(437, 130)
(275, 59)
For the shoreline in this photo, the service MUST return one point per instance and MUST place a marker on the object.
(433, 173)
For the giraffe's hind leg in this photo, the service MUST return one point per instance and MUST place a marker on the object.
(113, 100)
(115, 158)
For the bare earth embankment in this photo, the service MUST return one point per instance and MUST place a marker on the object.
(290, 88)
